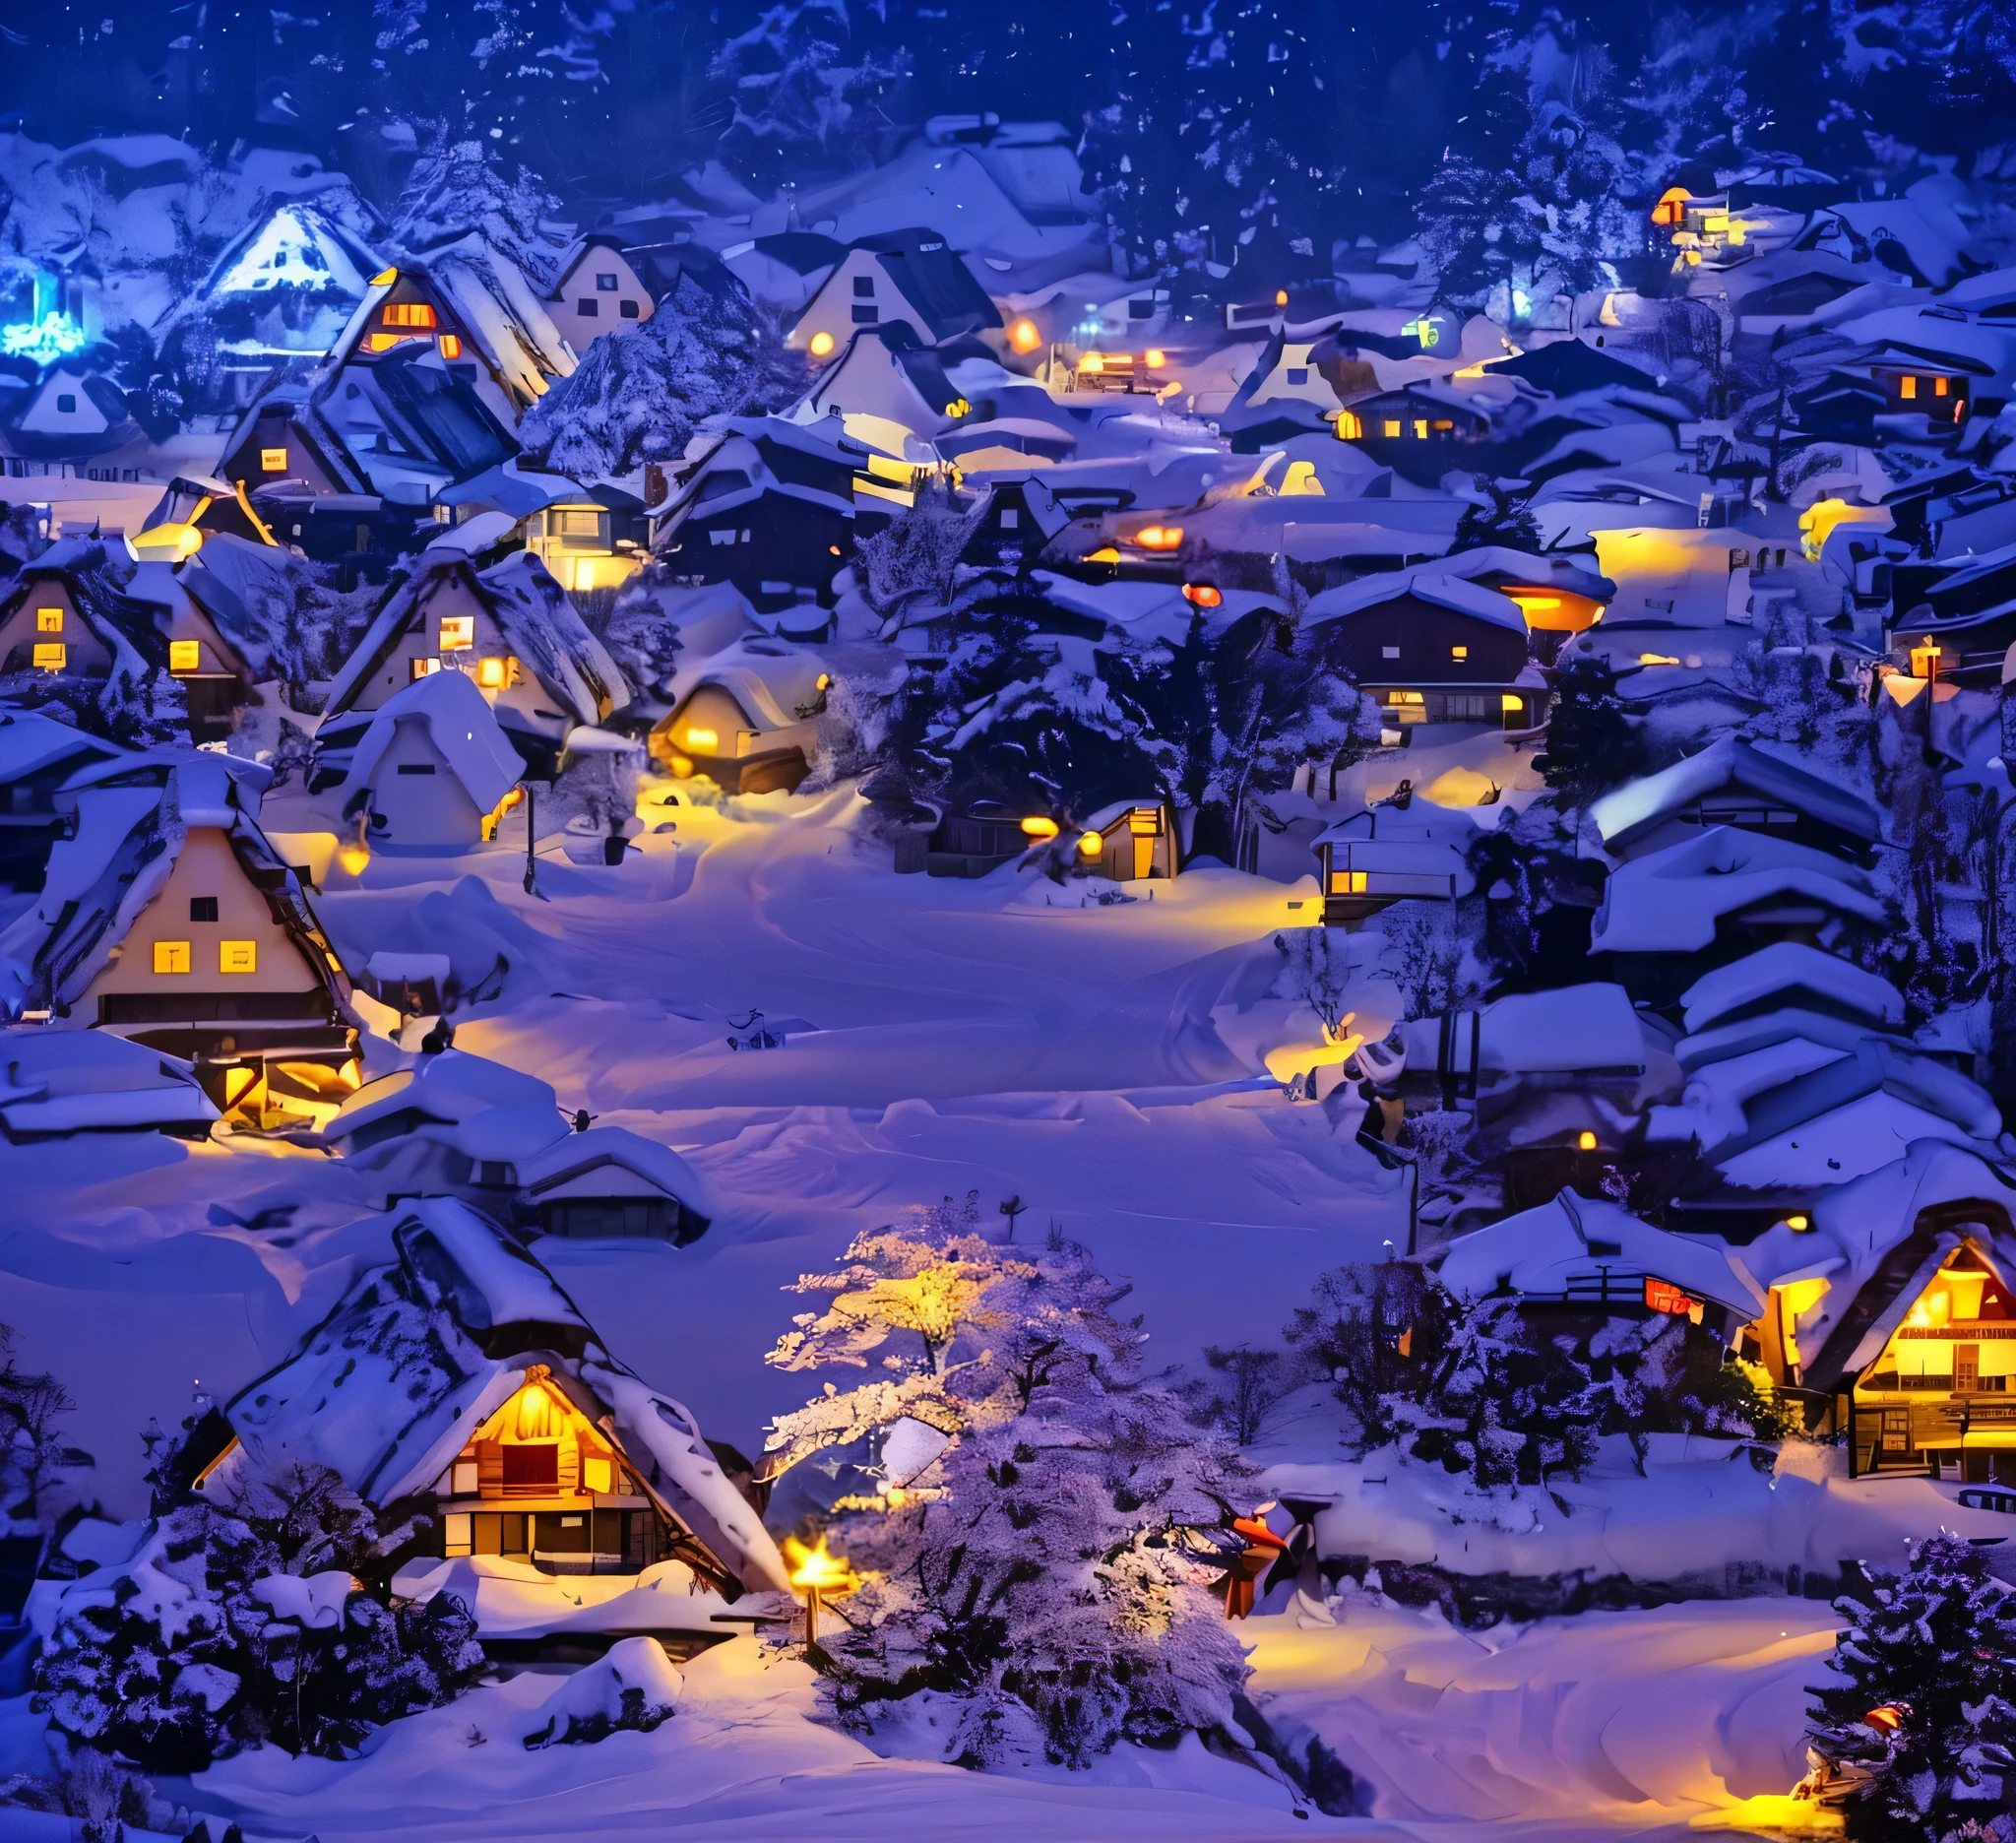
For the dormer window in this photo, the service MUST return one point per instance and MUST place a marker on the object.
(607, 284)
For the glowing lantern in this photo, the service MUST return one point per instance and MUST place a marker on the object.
(1202, 595)
(1155, 358)
(1924, 659)
(1024, 336)
(1159, 536)
(1798, 1223)
(1037, 828)
(1091, 844)
(1887, 1719)
(1585, 1142)
(1280, 297)
(822, 345)
(818, 1574)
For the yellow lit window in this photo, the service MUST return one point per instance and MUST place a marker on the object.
(49, 657)
(1907, 388)
(1349, 426)
(1458, 653)
(1407, 697)
(1511, 701)
(1392, 427)
(273, 459)
(1420, 432)
(1346, 882)
(409, 314)
(596, 1475)
(1443, 428)
(185, 656)
(1939, 387)
(382, 342)
(451, 347)
(490, 673)
(171, 956)
(457, 632)
(236, 956)
(425, 668)
(49, 621)
(702, 739)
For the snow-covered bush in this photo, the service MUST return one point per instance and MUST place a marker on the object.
(1050, 1570)
(34, 1454)
(1914, 1733)
(635, 1688)
(247, 1624)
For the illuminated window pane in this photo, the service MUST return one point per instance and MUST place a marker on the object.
(457, 632)
(451, 347)
(236, 956)
(425, 668)
(1458, 653)
(50, 657)
(594, 1472)
(273, 459)
(490, 673)
(702, 739)
(1939, 386)
(409, 314)
(1420, 432)
(171, 956)
(1907, 388)
(1392, 428)
(185, 656)
(49, 621)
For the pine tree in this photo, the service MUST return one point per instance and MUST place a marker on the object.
(34, 1454)
(1916, 1726)
(642, 396)
(456, 189)
(1593, 742)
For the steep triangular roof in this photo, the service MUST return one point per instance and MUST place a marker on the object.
(459, 724)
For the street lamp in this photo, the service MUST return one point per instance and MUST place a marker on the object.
(817, 1574)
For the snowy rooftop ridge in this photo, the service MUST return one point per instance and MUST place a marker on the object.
(1634, 808)
(459, 724)
(1781, 970)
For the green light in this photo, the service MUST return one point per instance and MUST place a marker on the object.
(43, 341)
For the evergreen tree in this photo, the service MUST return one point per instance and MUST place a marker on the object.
(800, 106)
(456, 189)
(642, 396)
(1593, 742)
(34, 1454)
(1917, 1725)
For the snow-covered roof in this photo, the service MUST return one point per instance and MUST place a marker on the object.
(772, 680)
(294, 244)
(503, 313)
(1458, 582)
(1141, 610)
(1630, 810)
(459, 723)
(31, 741)
(65, 1081)
(1671, 901)
(570, 1165)
(1579, 1247)
(1571, 1028)
(542, 626)
(388, 1389)
(1781, 970)
(467, 1102)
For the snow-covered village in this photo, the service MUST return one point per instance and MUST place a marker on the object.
(1088, 923)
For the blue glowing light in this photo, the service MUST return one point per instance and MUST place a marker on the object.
(44, 341)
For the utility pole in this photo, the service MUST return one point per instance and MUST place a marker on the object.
(531, 833)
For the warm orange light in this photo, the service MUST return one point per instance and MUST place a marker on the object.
(451, 347)
(1037, 828)
(1798, 1223)
(1155, 358)
(1159, 536)
(1585, 1142)
(1091, 844)
(822, 345)
(1280, 297)
(1203, 595)
(1092, 361)
(1024, 336)
(353, 858)
(702, 739)
(490, 673)
(1903, 687)
(1925, 660)
(1887, 1719)
(818, 1570)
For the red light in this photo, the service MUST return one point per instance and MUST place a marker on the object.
(1203, 595)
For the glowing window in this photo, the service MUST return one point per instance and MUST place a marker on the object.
(1458, 653)
(1420, 432)
(1939, 386)
(50, 657)
(1907, 388)
(702, 739)
(1347, 884)
(273, 459)
(457, 632)
(451, 347)
(1392, 427)
(409, 314)
(1443, 428)
(236, 956)
(1509, 702)
(49, 621)
(425, 668)
(1349, 426)
(185, 656)
(597, 1474)
(382, 342)
(490, 673)
(171, 956)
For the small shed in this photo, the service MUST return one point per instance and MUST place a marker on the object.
(745, 719)
(435, 768)
(1137, 840)
(606, 1184)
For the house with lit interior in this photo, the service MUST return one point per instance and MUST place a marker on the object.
(66, 613)
(169, 919)
(186, 606)
(897, 278)
(596, 289)
(1398, 851)
(745, 718)
(459, 1376)
(1131, 841)
(434, 769)
(510, 628)
(888, 390)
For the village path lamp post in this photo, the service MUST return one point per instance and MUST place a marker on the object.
(818, 1574)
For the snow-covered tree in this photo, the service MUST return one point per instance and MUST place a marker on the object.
(250, 1624)
(1317, 970)
(700, 358)
(910, 569)
(33, 1451)
(1593, 742)
(1915, 1729)
(458, 188)
(1051, 1570)
(799, 103)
